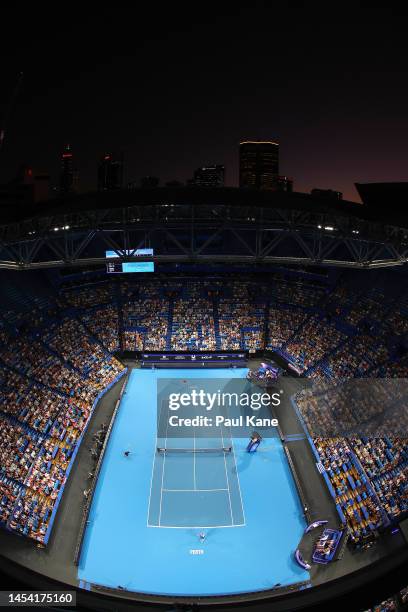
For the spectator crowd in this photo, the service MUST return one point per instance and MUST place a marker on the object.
(50, 378)
(354, 429)
(56, 362)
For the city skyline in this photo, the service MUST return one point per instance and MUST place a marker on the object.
(176, 91)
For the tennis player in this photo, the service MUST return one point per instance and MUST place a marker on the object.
(254, 442)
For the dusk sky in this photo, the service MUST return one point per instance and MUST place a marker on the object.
(179, 87)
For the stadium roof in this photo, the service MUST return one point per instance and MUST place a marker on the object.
(185, 224)
(383, 202)
(181, 195)
(390, 196)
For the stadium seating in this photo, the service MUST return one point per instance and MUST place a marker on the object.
(56, 359)
(368, 475)
(192, 320)
(50, 377)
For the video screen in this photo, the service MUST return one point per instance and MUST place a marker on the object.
(130, 266)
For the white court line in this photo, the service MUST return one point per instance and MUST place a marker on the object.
(194, 490)
(153, 465)
(239, 484)
(151, 481)
(226, 476)
(194, 462)
(236, 472)
(163, 468)
(197, 490)
(195, 527)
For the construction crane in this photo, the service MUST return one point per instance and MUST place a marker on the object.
(9, 109)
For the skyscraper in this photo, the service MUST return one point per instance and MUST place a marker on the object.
(110, 172)
(258, 164)
(209, 176)
(67, 171)
(284, 183)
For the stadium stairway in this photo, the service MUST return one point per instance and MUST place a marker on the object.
(216, 324)
(344, 327)
(33, 380)
(296, 331)
(323, 363)
(118, 302)
(169, 324)
(68, 364)
(34, 433)
(355, 302)
(200, 335)
(91, 335)
(376, 366)
(266, 325)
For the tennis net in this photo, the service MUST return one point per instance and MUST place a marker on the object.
(221, 449)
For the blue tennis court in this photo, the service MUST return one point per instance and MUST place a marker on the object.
(148, 508)
(197, 489)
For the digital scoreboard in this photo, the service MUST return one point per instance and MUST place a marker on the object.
(113, 267)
